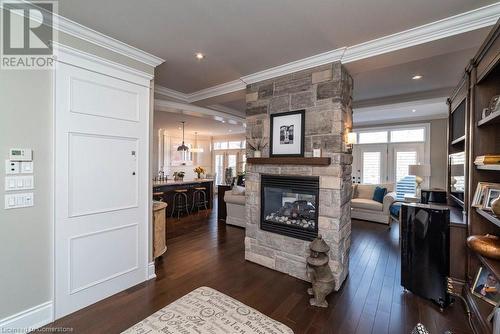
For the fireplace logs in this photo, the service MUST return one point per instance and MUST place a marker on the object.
(298, 213)
(289, 205)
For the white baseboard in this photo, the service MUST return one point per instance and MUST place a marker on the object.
(28, 320)
(151, 270)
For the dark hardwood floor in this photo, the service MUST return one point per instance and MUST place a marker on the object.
(202, 252)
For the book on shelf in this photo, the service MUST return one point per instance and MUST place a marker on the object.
(493, 159)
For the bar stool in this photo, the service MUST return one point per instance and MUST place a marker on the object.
(199, 198)
(180, 202)
(158, 196)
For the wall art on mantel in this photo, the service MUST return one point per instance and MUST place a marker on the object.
(287, 134)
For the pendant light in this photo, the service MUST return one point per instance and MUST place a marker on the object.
(196, 149)
(183, 147)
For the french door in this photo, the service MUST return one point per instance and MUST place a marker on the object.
(227, 158)
(401, 156)
(380, 163)
(370, 163)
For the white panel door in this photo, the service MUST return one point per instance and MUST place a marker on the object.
(101, 186)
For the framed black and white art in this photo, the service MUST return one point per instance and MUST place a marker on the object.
(287, 134)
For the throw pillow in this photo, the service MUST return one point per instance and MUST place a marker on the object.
(379, 193)
(238, 190)
(394, 209)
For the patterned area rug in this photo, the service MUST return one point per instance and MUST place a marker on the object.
(208, 311)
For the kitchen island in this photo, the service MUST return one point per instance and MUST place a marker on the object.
(167, 188)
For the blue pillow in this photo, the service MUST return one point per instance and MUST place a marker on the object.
(379, 193)
(394, 209)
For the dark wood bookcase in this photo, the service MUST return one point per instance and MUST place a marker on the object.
(481, 81)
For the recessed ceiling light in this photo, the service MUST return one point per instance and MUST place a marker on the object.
(413, 110)
(199, 55)
(230, 130)
(179, 128)
(417, 77)
(223, 121)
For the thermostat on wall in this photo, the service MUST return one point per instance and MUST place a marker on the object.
(20, 154)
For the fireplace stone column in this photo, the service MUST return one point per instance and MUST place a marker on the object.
(325, 93)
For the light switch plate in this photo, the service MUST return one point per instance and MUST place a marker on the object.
(24, 182)
(26, 167)
(11, 167)
(15, 201)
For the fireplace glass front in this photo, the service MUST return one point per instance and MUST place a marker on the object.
(289, 205)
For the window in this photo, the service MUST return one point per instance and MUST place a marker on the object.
(228, 153)
(408, 135)
(229, 145)
(221, 145)
(371, 167)
(401, 135)
(219, 168)
(383, 154)
(234, 145)
(372, 137)
(243, 163)
(403, 160)
(231, 162)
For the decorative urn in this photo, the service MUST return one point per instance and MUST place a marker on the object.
(487, 245)
(495, 206)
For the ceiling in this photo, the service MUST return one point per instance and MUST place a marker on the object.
(241, 37)
(410, 111)
(205, 126)
(441, 63)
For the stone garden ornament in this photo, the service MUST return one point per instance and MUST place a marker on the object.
(319, 273)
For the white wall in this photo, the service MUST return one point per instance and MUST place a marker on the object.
(26, 120)
(26, 234)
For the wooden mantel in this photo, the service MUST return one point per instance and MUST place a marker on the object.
(310, 161)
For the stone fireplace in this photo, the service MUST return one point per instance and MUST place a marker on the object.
(289, 204)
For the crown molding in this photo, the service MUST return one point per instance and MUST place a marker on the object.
(396, 121)
(67, 26)
(179, 96)
(194, 110)
(225, 88)
(447, 27)
(450, 26)
(69, 55)
(295, 66)
(409, 97)
(394, 112)
(227, 110)
(74, 29)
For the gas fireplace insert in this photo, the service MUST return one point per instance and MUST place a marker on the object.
(289, 205)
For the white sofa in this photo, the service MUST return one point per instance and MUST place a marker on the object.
(235, 206)
(365, 208)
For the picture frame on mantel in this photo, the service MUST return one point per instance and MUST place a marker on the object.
(287, 134)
